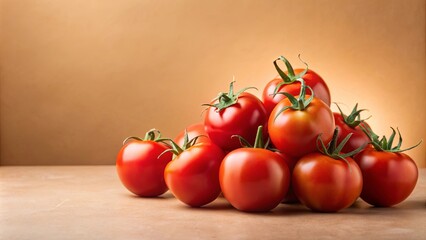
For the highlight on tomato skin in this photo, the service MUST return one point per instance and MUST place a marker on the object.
(140, 166)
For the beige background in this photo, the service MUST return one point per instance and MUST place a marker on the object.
(79, 76)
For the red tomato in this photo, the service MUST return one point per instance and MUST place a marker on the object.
(193, 175)
(241, 118)
(139, 168)
(311, 78)
(325, 184)
(358, 138)
(254, 179)
(351, 124)
(193, 130)
(294, 132)
(389, 178)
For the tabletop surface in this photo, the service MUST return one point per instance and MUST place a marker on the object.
(89, 202)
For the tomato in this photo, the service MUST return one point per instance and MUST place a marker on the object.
(254, 179)
(389, 178)
(193, 130)
(294, 132)
(193, 175)
(389, 175)
(351, 124)
(234, 114)
(140, 168)
(328, 180)
(292, 86)
(358, 139)
(325, 184)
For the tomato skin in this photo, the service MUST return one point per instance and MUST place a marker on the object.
(193, 130)
(139, 168)
(312, 79)
(193, 176)
(358, 138)
(389, 178)
(325, 184)
(242, 119)
(254, 179)
(295, 132)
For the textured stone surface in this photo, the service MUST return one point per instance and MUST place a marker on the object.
(88, 202)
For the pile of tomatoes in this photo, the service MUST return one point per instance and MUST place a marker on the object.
(288, 147)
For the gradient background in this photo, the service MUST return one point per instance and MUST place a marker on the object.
(77, 77)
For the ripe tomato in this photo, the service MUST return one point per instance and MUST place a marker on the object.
(389, 175)
(254, 179)
(358, 138)
(351, 124)
(234, 114)
(328, 180)
(389, 178)
(140, 168)
(193, 175)
(193, 130)
(325, 184)
(294, 132)
(292, 86)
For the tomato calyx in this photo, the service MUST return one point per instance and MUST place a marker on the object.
(258, 142)
(175, 148)
(290, 77)
(149, 136)
(227, 99)
(385, 144)
(333, 150)
(299, 103)
(354, 118)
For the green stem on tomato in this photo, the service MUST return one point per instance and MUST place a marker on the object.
(291, 76)
(384, 144)
(227, 99)
(258, 143)
(301, 102)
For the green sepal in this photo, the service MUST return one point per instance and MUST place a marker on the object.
(299, 103)
(354, 118)
(333, 150)
(258, 142)
(286, 79)
(300, 75)
(227, 99)
(243, 141)
(151, 135)
(291, 77)
(175, 148)
(384, 144)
